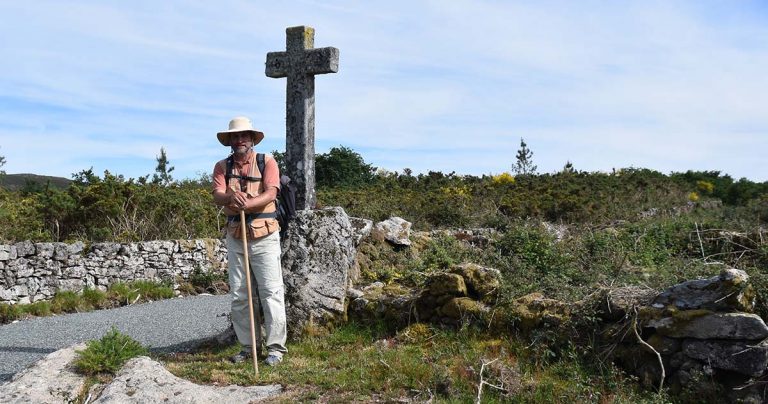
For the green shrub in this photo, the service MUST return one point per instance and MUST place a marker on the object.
(204, 280)
(108, 354)
(9, 313)
(66, 302)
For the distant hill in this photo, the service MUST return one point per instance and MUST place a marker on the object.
(18, 181)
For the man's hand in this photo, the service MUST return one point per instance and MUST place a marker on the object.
(238, 200)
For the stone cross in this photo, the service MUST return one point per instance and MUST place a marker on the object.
(300, 62)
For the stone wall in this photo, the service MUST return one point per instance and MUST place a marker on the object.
(35, 271)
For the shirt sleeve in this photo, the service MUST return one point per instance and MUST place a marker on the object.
(219, 182)
(271, 174)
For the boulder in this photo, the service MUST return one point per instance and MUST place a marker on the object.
(50, 380)
(318, 254)
(446, 284)
(362, 228)
(703, 324)
(5, 252)
(616, 303)
(534, 310)
(143, 380)
(460, 307)
(482, 282)
(749, 359)
(25, 248)
(395, 230)
(729, 291)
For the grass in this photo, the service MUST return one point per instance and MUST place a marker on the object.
(108, 354)
(421, 362)
(118, 294)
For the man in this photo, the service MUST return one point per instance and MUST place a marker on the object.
(254, 192)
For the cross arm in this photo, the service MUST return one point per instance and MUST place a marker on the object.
(277, 64)
(321, 60)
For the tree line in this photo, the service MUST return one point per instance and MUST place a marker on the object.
(111, 207)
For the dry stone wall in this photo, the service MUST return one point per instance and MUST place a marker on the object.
(36, 271)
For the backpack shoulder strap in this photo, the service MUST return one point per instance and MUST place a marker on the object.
(260, 163)
(230, 163)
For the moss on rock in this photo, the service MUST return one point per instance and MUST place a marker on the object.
(482, 283)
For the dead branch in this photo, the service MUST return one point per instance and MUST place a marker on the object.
(649, 347)
(484, 383)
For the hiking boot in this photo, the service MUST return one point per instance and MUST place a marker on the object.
(241, 356)
(273, 360)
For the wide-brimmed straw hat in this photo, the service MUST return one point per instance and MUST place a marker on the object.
(237, 125)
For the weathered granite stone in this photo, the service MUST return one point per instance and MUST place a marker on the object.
(300, 63)
(354, 293)
(362, 228)
(73, 285)
(143, 380)
(25, 248)
(446, 284)
(664, 345)
(44, 250)
(5, 252)
(75, 248)
(106, 249)
(60, 251)
(7, 295)
(20, 290)
(615, 303)
(702, 324)
(726, 292)
(535, 310)
(396, 230)
(483, 283)
(318, 254)
(50, 380)
(747, 358)
(460, 307)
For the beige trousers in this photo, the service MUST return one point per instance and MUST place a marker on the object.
(267, 287)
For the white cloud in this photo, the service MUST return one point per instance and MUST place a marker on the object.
(449, 85)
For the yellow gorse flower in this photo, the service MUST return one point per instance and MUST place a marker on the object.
(503, 178)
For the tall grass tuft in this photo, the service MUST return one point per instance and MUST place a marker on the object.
(66, 302)
(95, 298)
(108, 354)
(9, 313)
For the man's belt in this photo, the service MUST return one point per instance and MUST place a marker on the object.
(250, 216)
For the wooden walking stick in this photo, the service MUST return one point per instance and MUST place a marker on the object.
(254, 349)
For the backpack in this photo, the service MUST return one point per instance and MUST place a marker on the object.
(286, 195)
(286, 198)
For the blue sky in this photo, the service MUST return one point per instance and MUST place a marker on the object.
(447, 85)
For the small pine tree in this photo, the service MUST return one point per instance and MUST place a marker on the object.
(524, 164)
(568, 168)
(163, 170)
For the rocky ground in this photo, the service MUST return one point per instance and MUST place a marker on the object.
(165, 326)
(141, 380)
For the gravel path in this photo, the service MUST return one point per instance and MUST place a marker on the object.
(167, 325)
